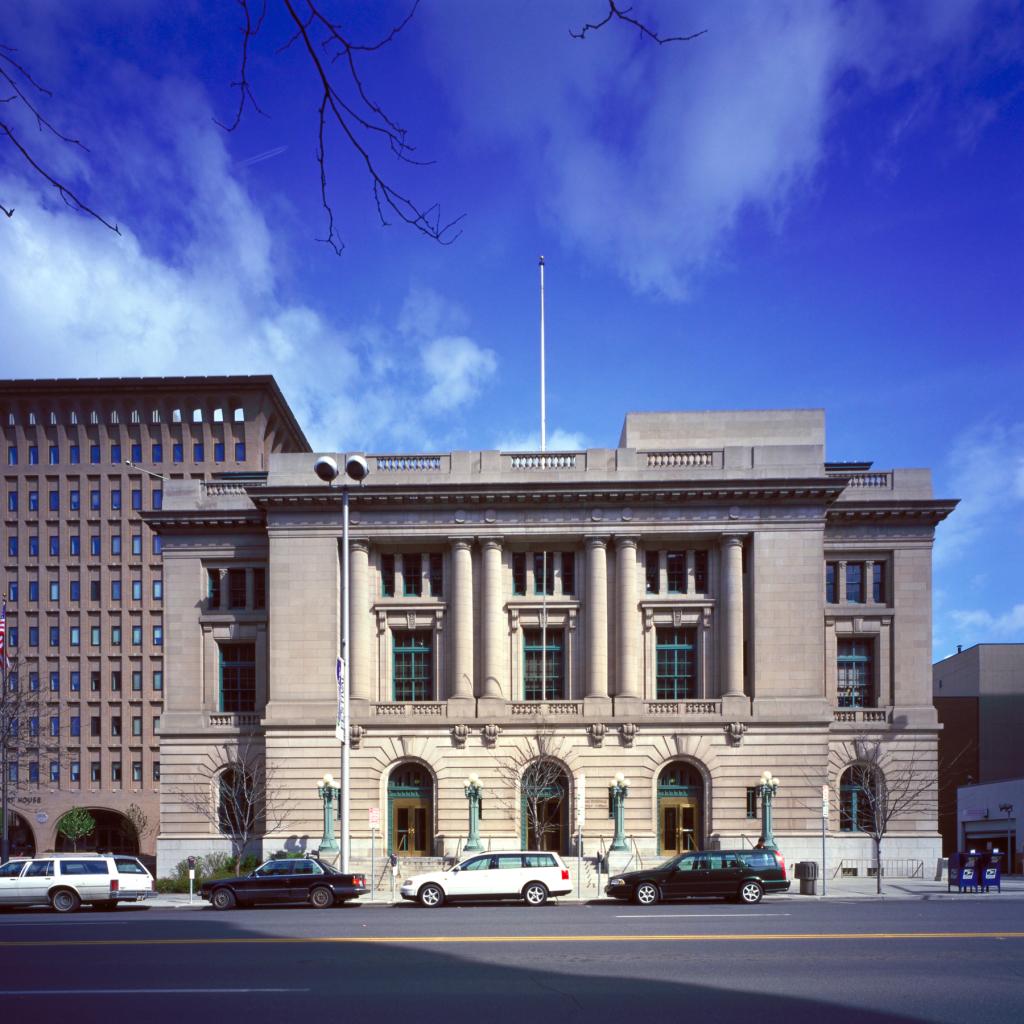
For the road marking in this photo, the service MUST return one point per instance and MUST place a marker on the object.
(142, 991)
(655, 917)
(443, 940)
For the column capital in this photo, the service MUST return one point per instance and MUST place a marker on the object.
(626, 542)
(732, 540)
(593, 541)
(359, 544)
(462, 543)
(491, 541)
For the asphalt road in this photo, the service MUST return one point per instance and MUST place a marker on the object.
(783, 960)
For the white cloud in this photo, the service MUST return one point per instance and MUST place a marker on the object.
(558, 440)
(984, 625)
(204, 296)
(647, 156)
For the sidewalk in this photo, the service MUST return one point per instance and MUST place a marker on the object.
(836, 888)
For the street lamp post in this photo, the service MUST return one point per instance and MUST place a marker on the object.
(618, 791)
(473, 793)
(328, 792)
(768, 788)
(356, 468)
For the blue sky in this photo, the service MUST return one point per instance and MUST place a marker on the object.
(813, 204)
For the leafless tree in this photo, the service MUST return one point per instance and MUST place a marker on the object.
(137, 820)
(890, 782)
(535, 777)
(238, 793)
(625, 16)
(23, 741)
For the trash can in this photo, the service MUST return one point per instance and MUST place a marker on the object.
(807, 874)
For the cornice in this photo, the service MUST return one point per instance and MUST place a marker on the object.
(930, 511)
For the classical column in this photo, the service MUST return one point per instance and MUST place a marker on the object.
(629, 622)
(359, 626)
(597, 617)
(732, 585)
(460, 637)
(492, 629)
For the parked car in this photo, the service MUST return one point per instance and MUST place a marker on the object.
(136, 880)
(742, 875)
(526, 875)
(65, 881)
(290, 880)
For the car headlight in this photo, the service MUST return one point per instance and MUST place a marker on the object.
(616, 881)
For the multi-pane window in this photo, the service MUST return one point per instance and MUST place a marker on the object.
(855, 582)
(115, 681)
(652, 572)
(136, 634)
(178, 452)
(831, 592)
(136, 452)
(387, 575)
(136, 543)
(543, 664)
(54, 590)
(197, 451)
(115, 454)
(158, 636)
(752, 800)
(33, 501)
(237, 677)
(158, 498)
(94, 545)
(55, 546)
(54, 501)
(218, 451)
(12, 501)
(75, 544)
(239, 451)
(236, 588)
(413, 673)
(115, 499)
(259, 589)
(115, 590)
(544, 572)
(55, 636)
(94, 682)
(115, 544)
(436, 569)
(158, 543)
(675, 566)
(95, 726)
(136, 498)
(94, 636)
(859, 793)
(54, 455)
(158, 680)
(136, 725)
(74, 455)
(700, 572)
(675, 672)
(94, 454)
(136, 771)
(115, 771)
(878, 583)
(856, 673)
(568, 573)
(412, 575)
(158, 452)
(213, 588)
(55, 770)
(137, 680)
(94, 499)
(33, 455)
(518, 573)
(33, 636)
(156, 771)
(54, 682)
(136, 590)
(115, 725)
(75, 500)
(94, 771)
(76, 636)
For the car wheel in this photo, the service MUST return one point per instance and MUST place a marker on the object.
(535, 894)
(223, 899)
(321, 897)
(431, 896)
(647, 894)
(751, 892)
(65, 901)
(106, 905)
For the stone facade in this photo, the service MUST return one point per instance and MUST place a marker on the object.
(709, 600)
(84, 578)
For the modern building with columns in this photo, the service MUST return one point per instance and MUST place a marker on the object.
(708, 600)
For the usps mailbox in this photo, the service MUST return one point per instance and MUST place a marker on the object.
(963, 872)
(990, 872)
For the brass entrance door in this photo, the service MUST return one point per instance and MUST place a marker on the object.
(549, 831)
(411, 832)
(678, 830)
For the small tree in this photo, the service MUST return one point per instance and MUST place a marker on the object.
(239, 794)
(76, 824)
(136, 823)
(534, 773)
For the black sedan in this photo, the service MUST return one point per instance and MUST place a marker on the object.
(743, 875)
(291, 880)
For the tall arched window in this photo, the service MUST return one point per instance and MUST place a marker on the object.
(860, 797)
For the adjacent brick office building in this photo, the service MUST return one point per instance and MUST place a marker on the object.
(83, 574)
(707, 600)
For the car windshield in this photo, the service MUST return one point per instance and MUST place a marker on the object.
(667, 865)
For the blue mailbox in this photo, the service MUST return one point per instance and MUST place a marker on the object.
(963, 871)
(990, 872)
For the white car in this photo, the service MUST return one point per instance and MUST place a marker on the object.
(136, 881)
(65, 881)
(526, 875)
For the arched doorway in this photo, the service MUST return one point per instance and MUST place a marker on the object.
(680, 809)
(20, 836)
(411, 811)
(113, 833)
(545, 806)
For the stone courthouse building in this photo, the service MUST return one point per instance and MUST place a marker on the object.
(710, 599)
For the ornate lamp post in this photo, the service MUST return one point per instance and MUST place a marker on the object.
(618, 791)
(768, 788)
(473, 793)
(328, 792)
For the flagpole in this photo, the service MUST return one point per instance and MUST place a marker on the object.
(5, 840)
(543, 403)
(343, 815)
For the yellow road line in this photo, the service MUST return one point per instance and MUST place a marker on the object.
(424, 940)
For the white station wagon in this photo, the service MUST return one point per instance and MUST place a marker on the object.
(527, 875)
(65, 881)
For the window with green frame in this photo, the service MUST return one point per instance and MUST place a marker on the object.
(543, 665)
(856, 674)
(413, 671)
(675, 665)
(237, 677)
(859, 790)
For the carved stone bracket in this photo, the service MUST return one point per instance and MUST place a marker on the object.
(627, 733)
(734, 733)
(490, 734)
(355, 736)
(460, 733)
(513, 619)
(597, 732)
(648, 619)
(677, 617)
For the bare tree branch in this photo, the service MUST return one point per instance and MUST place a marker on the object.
(535, 774)
(624, 14)
(249, 31)
(16, 75)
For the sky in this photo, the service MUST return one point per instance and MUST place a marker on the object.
(810, 204)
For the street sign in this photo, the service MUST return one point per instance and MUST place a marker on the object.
(341, 725)
(374, 818)
(824, 802)
(581, 801)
